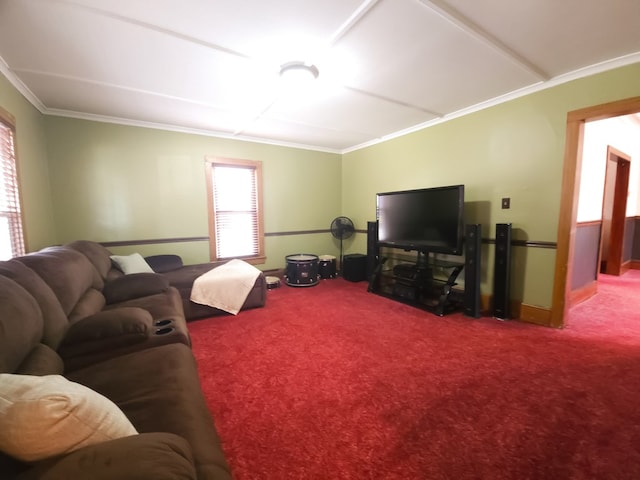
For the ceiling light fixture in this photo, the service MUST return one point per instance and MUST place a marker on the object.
(299, 71)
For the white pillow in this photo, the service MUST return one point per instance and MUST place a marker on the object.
(45, 416)
(133, 263)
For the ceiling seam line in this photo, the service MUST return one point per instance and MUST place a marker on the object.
(326, 129)
(486, 38)
(355, 18)
(156, 28)
(285, 119)
(117, 87)
(391, 100)
(258, 116)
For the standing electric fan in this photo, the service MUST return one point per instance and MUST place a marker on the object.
(341, 228)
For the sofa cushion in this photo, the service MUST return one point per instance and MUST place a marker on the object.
(120, 331)
(133, 286)
(133, 263)
(183, 278)
(161, 306)
(91, 302)
(21, 325)
(41, 417)
(42, 360)
(97, 254)
(55, 319)
(157, 456)
(68, 272)
(106, 330)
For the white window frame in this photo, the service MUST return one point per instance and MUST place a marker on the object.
(11, 220)
(255, 167)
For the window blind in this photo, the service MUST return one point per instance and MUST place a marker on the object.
(235, 205)
(11, 234)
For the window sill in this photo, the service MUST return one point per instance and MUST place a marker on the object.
(251, 260)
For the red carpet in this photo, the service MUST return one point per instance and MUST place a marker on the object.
(332, 382)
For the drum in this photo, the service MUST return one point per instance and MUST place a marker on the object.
(327, 266)
(272, 282)
(302, 270)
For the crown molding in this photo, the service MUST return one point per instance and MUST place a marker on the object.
(21, 87)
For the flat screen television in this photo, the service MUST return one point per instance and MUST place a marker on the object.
(425, 220)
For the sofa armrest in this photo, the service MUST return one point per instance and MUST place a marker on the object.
(106, 330)
(134, 285)
(138, 457)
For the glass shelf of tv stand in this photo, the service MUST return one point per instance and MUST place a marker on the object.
(426, 283)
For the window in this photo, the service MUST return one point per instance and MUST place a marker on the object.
(234, 193)
(11, 235)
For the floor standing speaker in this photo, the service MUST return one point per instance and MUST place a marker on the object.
(502, 272)
(472, 246)
(372, 248)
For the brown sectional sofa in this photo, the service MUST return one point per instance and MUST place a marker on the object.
(64, 311)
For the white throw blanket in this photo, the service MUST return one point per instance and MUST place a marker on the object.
(225, 287)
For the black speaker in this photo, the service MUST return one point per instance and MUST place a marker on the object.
(372, 248)
(472, 246)
(502, 272)
(354, 267)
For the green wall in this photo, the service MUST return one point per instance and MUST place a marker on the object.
(118, 183)
(33, 169)
(515, 149)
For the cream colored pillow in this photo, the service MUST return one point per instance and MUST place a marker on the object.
(45, 416)
(133, 263)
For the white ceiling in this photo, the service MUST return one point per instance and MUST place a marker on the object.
(386, 66)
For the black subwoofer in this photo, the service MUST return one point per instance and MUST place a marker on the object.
(354, 267)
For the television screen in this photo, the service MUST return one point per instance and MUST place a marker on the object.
(426, 220)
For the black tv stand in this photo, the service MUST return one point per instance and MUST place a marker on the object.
(417, 283)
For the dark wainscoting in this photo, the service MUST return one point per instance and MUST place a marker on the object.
(633, 230)
(585, 254)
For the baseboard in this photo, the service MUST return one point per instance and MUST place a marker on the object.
(520, 311)
(634, 264)
(581, 294)
(537, 315)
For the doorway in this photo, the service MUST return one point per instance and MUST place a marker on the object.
(569, 198)
(614, 208)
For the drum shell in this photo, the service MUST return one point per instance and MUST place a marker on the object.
(302, 270)
(327, 267)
